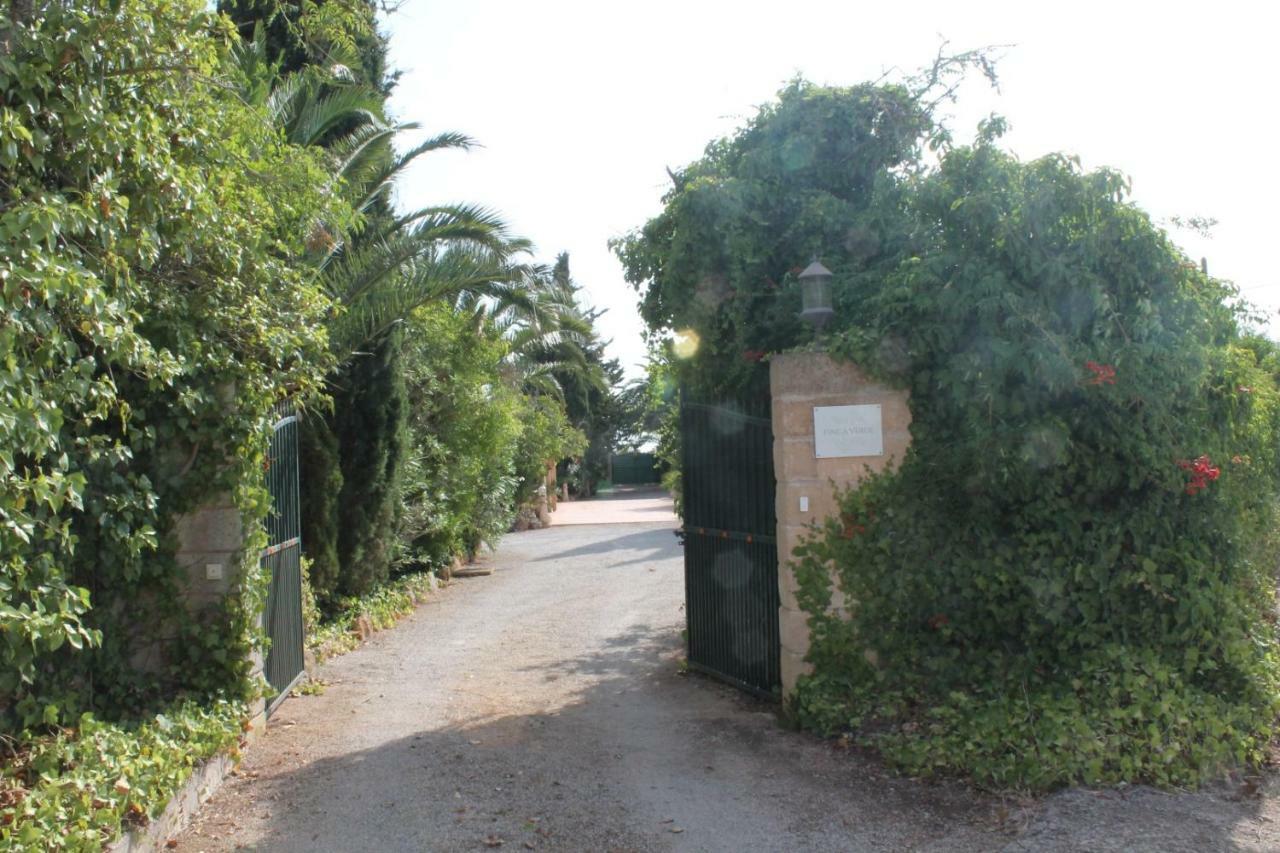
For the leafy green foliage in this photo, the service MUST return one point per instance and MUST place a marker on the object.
(546, 436)
(820, 172)
(1046, 592)
(152, 316)
(74, 791)
(1071, 575)
(460, 480)
(661, 409)
(308, 33)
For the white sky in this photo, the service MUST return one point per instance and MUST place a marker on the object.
(580, 106)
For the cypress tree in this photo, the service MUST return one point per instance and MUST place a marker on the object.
(320, 476)
(370, 423)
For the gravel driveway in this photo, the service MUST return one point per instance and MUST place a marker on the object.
(542, 707)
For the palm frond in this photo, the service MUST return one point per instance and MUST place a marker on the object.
(373, 311)
(312, 115)
(377, 182)
(455, 221)
(360, 153)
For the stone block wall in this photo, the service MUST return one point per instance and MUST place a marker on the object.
(211, 536)
(799, 382)
(211, 543)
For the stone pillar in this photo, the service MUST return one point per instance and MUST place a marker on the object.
(210, 549)
(211, 543)
(542, 505)
(800, 382)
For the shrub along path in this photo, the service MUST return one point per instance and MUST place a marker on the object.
(542, 708)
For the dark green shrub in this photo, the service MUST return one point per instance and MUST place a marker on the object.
(370, 425)
(1071, 577)
(320, 480)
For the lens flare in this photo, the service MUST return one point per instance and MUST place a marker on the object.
(686, 343)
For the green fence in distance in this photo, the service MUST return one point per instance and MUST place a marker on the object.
(635, 469)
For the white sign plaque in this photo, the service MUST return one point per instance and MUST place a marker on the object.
(847, 431)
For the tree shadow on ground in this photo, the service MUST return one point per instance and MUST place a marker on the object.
(633, 756)
(658, 543)
(636, 757)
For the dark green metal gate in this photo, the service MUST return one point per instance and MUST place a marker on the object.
(283, 559)
(730, 545)
(634, 469)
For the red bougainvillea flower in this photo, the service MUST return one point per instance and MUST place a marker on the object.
(850, 527)
(753, 355)
(851, 530)
(1202, 472)
(937, 620)
(1103, 374)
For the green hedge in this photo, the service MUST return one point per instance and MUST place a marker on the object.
(1071, 577)
(154, 311)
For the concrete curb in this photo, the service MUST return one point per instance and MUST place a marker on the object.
(205, 779)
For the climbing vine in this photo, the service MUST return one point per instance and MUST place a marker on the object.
(150, 316)
(1071, 575)
(1059, 584)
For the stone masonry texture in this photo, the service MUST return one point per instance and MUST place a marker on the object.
(801, 381)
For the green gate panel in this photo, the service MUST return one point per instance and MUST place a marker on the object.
(730, 544)
(282, 560)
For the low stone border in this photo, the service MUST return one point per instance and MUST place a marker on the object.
(205, 779)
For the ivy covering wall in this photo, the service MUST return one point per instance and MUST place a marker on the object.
(1071, 577)
(151, 317)
(195, 225)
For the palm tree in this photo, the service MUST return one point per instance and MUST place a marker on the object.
(548, 334)
(378, 272)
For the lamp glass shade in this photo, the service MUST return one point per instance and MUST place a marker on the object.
(815, 294)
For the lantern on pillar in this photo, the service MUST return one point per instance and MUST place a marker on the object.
(815, 296)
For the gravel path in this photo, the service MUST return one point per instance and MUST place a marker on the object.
(623, 505)
(542, 708)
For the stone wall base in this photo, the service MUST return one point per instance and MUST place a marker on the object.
(205, 779)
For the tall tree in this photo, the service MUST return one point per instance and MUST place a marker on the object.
(596, 400)
(719, 263)
(321, 33)
(376, 273)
